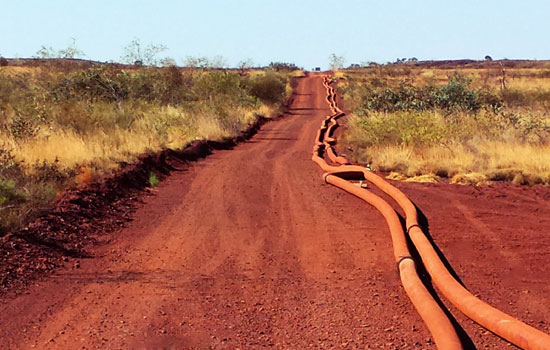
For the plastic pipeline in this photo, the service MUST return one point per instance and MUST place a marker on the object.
(489, 317)
(435, 319)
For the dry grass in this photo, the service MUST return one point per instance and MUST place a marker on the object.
(510, 141)
(426, 178)
(494, 160)
(475, 179)
(522, 78)
(298, 73)
(59, 128)
(105, 149)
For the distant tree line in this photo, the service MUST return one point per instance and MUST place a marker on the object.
(139, 54)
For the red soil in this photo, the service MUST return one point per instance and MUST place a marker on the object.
(249, 249)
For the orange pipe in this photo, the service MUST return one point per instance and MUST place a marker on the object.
(437, 322)
(435, 319)
(489, 317)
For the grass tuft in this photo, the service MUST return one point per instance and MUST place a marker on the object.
(396, 176)
(426, 178)
(475, 179)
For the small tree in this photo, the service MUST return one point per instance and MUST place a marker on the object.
(244, 65)
(71, 51)
(336, 62)
(190, 62)
(168, 62)
(45, 52)
(217, 61)
(135, 52)
(205, 62)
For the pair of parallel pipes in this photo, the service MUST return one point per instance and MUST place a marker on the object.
(441, 328)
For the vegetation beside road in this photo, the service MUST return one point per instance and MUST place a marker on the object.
(470, 124)
(63, 124)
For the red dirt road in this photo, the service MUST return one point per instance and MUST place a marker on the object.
(249, 249)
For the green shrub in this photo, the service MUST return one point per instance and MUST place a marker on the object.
(175, 88)
(222, 89)
(456, 95)
(404, 98)
(401, 128)
(97, 83)
(167, 86)
(269, 87)
(153, 179)
(283, 66)
(9, 193)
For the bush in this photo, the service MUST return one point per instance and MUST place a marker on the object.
(404, 98)
(269, 88)
(222, 89)
(98, 83)
(456, 95)
(173, 87)
(400, 128)
(283, 66)
(9, 193)
(167, 86)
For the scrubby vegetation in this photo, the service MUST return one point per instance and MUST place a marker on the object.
(472, 125)
(62, 125)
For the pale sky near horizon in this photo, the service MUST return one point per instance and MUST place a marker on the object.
(302, 32)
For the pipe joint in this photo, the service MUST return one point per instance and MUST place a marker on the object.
(413, 225)
(402, 258)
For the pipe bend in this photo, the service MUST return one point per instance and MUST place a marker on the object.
(500, 323)
(435, 319)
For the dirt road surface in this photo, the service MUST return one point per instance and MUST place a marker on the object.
(248, 249)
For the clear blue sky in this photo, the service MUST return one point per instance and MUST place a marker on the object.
(303, 32)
